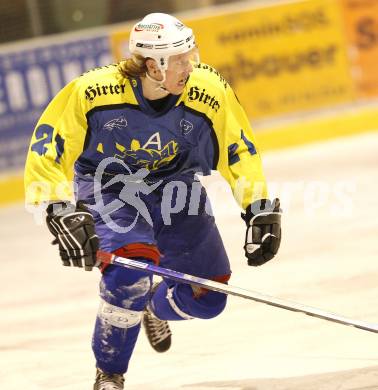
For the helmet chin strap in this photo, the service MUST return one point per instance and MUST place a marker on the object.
(159, 83)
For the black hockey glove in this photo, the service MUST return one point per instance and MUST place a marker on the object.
(74, 231)
(263, 236)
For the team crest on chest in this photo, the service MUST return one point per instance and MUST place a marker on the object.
(117, 123)
(186, 126)
(151, 155)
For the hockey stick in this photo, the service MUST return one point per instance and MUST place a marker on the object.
(109, 258)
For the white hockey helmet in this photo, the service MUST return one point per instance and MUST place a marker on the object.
(160, 36)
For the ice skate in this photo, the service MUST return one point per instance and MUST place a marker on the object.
(105, 381)
(157, 331)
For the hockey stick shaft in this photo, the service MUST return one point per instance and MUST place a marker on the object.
(109, 258)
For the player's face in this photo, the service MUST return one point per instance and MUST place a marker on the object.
(179, 68)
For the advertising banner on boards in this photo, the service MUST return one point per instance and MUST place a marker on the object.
(29, 78)
(361, 25)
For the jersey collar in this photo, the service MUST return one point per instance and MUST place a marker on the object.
(143, 103)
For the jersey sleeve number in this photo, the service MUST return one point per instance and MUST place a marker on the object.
(44, 136)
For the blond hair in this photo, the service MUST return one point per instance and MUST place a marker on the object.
(134, 66)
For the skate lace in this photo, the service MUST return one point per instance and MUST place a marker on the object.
(107, 381)
(159, 329)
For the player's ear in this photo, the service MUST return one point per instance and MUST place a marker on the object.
(152, 67)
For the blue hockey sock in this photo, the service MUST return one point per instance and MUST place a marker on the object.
(124, 294)
(177, 302)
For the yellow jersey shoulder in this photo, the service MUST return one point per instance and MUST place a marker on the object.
(209, 76)
(206, 89)
(104, 86)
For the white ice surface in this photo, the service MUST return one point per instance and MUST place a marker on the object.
(328, 259)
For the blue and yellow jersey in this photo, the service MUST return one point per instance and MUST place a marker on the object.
(102, 114)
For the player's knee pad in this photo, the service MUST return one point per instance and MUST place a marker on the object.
(119, 317)
(173, 301)
(178, 302)
(205, 306)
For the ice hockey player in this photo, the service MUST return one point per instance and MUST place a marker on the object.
(133, 137)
